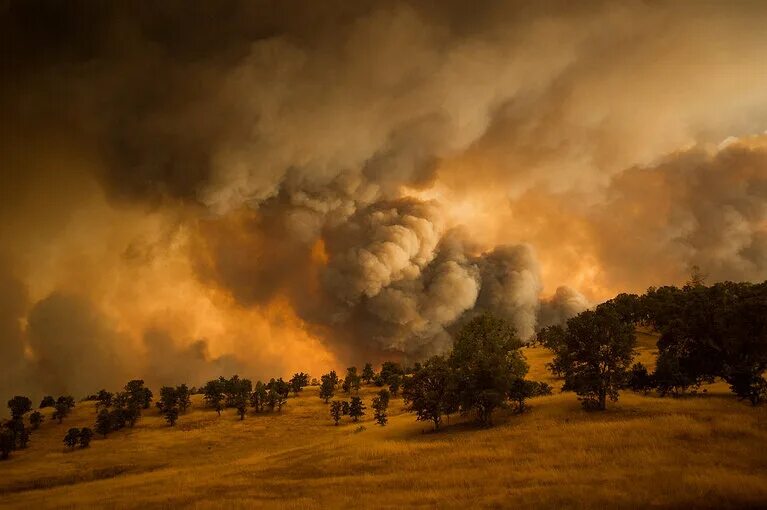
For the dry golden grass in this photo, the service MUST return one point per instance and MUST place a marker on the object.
(704, 451)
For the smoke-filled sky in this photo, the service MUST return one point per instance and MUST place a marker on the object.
(194, 189)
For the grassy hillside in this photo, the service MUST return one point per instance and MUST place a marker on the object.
(699, 451)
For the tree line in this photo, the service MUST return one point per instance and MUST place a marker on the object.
(705, 333)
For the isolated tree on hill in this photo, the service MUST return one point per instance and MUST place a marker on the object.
(485, 360)
(64, 405)
(213, 393)
(430, 392)
(335, 411)
(639, 379)
(522, 389)
(298, 382)
(47, 401)
(595, 352)
(72, 437)
(168, 404)
(380, 405)
(104, 422)
(356, 408)
(19, 406)
(328, 386)
(367, 373)
(86, 435)
(36, 419)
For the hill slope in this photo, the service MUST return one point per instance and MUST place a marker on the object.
(704, 451)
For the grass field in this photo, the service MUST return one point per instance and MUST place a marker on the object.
(699, 451)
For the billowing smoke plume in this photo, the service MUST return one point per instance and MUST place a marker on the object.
(189, 188)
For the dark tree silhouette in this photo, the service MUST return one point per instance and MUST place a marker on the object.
(104, 399)
(213, 393)
(669, 378)
(594, 352)
(356, 409)
(431, 392)
(86, 435)
(72, 437)
(335, 411)
(394, 381)
(351, 381)
(380, 405)
(36, 419)
(328, 386)
(64, 405)
(7, 442)
(639, 379)
(47, 401)
(19, 406)
(184, 397)
(485, 360)
(298, 382)
(104, 422)
(259, 397)
(522, 389)
(367, 373)
(168, 404)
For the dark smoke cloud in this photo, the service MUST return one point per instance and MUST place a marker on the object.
(76, 348)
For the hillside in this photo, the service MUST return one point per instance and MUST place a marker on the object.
(699, 451)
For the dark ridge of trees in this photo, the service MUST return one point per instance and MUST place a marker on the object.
(706, 333)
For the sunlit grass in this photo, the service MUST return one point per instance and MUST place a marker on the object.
(704, 451)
